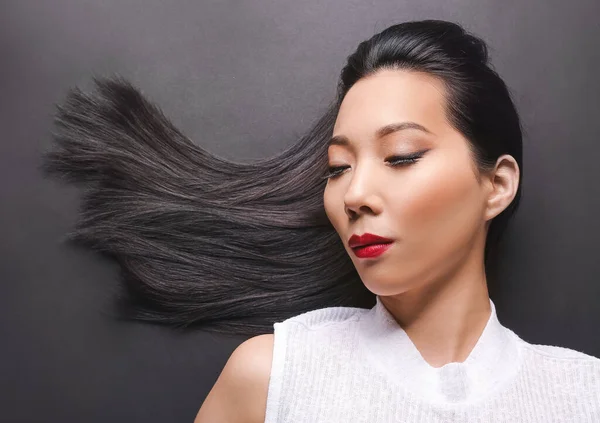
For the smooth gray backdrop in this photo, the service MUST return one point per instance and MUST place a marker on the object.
(245, 80)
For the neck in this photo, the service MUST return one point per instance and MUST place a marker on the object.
(444, 319)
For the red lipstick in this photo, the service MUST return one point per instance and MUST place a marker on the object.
(369, 245)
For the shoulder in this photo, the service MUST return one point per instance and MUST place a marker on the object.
(323, 317)
(304, 346)
(240, 392)
(553, 352)
(306, 333)
(252, 358)
(256, 366)
(247, 372)
(573, 372)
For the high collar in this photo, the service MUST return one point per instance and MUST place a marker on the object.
(493, 360)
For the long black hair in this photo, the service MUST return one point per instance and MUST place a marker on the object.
(234, 247)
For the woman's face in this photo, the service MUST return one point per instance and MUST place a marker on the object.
(433, 209)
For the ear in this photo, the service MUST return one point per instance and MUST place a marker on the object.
(504, 181)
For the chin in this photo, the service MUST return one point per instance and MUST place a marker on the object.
(384, 287)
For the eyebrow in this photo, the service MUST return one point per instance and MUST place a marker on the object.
(382, 132)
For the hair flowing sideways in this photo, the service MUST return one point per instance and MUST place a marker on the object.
(201, 241)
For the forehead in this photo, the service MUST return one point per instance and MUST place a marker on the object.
(389, 96)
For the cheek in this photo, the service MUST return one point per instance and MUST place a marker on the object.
(439, 204)
(332, 210)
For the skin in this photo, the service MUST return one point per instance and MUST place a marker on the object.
(437, 210)
(240, 393)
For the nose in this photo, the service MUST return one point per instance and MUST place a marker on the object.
(362, 195)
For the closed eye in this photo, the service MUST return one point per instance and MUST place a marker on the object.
(335, 171)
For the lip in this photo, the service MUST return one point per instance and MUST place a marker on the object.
(369, 245)
(367, 239)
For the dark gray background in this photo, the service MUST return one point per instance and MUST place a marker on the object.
(245, 80)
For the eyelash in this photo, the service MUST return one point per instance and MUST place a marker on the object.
(334, 172)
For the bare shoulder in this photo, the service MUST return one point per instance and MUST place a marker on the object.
(240, 392)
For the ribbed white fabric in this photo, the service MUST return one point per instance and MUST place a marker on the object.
(351, 365)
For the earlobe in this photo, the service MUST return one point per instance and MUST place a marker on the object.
(504, 184)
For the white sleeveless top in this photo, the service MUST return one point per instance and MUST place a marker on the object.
(351, 365)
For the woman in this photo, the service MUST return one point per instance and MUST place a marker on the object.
(367, 242)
